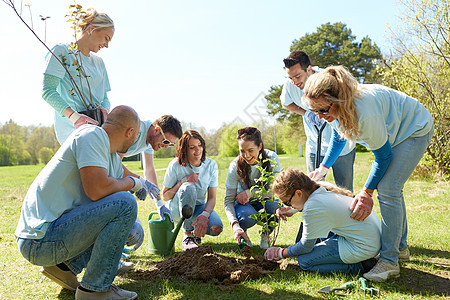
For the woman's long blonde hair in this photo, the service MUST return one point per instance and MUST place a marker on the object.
(337, 85)
(98, 20)
(290, 180)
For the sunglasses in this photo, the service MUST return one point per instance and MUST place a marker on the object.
(247, 130)
(166, 141)
(288, 203)
(323, 111)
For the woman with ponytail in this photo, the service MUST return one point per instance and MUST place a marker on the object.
(396, 128)
(352, 246)
(239, 203)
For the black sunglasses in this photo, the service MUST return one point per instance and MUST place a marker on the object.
(290, 199)
(323, 111)
(247, 130)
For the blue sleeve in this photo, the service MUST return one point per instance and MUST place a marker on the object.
(302, 247)
(334, 150)
(383, 157)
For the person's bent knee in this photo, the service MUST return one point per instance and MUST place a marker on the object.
(216, 229)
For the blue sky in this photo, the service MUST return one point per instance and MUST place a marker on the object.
(206, 62)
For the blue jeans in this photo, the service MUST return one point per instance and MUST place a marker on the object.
(89, 236)
(324, 258)
(342, 168)
(186, 194)
(394, 228)
(243, 212)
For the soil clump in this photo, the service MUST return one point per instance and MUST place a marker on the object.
(203, 264)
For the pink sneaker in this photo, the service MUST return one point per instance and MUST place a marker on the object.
(189, 243)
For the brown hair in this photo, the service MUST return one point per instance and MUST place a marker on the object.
(290, 180)
(243, 169)
(169, 124)
(183, 147)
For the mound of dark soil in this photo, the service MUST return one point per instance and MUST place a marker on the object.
(204, 265)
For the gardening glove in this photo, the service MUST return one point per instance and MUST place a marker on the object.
(361, 206)
(80, 119)
(313, 118)
(139, 183)
(274, 253)
(141, 194)
(136, 236)
(319, 173)
(201, 224)
(285, 212)
(243, 197)
(104, 112)
(239, 232)
(162, 210)
(193, 178)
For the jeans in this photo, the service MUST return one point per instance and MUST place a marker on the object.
(186, 194)
(394, 228)
(324, 258)
(243, 212)
(90, 236)
(342, 168)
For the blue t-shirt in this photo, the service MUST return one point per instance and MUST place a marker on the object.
(325, 211)
(293, 94)
(141, 142)
(93, 93)
(386, 114)
(58, 187)
(208, 177)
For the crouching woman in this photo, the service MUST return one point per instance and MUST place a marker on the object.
(192, 179)
(346, 245)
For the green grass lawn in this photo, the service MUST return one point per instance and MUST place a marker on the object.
(426, 276)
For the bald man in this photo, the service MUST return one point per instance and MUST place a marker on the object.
(77, 213)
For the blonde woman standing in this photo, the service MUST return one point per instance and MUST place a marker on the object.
(88, 102)
(396, 128)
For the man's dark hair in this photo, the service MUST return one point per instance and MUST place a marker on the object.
(297, 57)
(169, 124)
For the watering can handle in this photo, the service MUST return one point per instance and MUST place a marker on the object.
(152, 214)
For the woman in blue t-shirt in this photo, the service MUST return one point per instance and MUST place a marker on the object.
(75, 78)
(242, 173)
(192, 179)
(397, 128)
(352, 246)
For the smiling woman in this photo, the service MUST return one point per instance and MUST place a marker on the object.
(75, 79)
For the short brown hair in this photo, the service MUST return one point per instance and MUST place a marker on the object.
(183, 147)
(297, 57)
(169, 124)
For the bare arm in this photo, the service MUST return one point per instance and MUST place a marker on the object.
(169, 193)
(295, 108)
(149, 168)
(97, 184)
(211, 201)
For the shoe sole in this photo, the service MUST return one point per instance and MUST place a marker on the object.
(382, 279)
(57, 280)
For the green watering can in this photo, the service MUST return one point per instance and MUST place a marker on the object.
(162, 233)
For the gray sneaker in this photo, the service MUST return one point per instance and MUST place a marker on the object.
(404, 255)
(66, 279)
(383, 271)
(113, 293)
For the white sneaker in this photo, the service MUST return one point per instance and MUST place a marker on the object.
(382, 271)
(188, 243)
(404, 255)
(124, 266)
(113, 293)
(264, 243)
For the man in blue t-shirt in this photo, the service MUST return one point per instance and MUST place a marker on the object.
(78, 213)
(298, 69)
